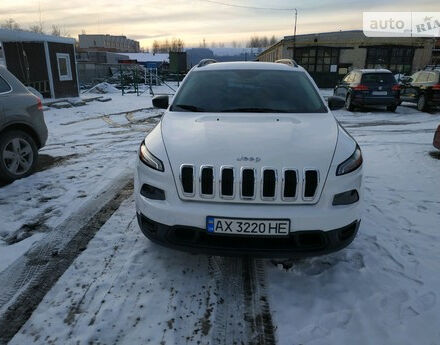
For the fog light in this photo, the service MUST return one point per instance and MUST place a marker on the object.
(153, 193)
(346, 198)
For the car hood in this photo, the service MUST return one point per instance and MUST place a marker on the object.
(256, 140)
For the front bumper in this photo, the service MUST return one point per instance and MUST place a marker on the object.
(298, 244)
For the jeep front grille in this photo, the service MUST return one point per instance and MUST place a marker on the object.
(311, 183)
(207, 181)
(269, 184)
(227, 182)
(235, 184)
(290, 184)
(247, 183)
(187, 179)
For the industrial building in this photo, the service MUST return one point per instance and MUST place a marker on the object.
(329, 56)
(108, 43)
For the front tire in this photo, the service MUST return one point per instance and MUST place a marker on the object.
(392, 108)
(421, 103)
(18, 155)
(349, 103)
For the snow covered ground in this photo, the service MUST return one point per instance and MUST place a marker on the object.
(382, 289)
(88, 148)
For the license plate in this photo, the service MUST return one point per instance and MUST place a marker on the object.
(248, 227)
(380, 93)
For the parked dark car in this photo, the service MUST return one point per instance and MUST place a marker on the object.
(369, 87)
(422, 88)
(22, 128)
(436, 142)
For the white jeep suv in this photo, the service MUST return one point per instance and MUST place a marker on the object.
(249, 160)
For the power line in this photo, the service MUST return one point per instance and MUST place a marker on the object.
(249, 7)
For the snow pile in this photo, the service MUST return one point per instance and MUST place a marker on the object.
(104, 88)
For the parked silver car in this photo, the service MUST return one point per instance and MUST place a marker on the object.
(22, 128)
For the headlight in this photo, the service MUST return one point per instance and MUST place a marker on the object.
(351, 164)
(149, 159)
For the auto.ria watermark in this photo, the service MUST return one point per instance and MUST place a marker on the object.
(401, 24)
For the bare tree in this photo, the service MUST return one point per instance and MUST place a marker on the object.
(156, 47)
(203, 44)
(38, 28)
(57, 30)
(10, 24)
(258, 42)
(176, 45)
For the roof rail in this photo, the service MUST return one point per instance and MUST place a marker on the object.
(205, 62)
(289, 62)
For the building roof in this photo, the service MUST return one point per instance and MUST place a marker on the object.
(148, 57)
(7, 35)
(325, 33)
(372, 70)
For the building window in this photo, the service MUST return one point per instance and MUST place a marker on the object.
(396, 59)
(317, 59)
(64, 67)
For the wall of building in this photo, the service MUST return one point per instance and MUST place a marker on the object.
(63, 88)
(422, 57)
(91, 72)
(353, 47)
(27, 61)
(108, 43)
(354, 57)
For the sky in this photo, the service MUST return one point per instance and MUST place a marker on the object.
(195, 20)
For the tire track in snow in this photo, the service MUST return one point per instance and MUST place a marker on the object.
(242, 315)
(25, 283)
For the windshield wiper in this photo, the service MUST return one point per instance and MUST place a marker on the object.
(188, 107)
(253, 110)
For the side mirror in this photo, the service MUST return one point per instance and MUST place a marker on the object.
(406, 79)
(335, 102)
(161, 102)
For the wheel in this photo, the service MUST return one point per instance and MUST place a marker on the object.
(349, 103)
(18, 155)
(421, 103)
(392, 108)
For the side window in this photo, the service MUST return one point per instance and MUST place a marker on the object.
(64, 67)
(356, 78)
(347, 78)
(415, 76)
(4, 86)
(422, 78)
(431, 77)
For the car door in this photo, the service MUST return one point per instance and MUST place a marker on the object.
(342, 88)
(409, 92)
(419, 86)
(5, 89)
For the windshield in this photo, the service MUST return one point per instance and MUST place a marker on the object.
(378, 78)
(248, 91)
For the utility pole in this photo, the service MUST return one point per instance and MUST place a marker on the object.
(294, 34)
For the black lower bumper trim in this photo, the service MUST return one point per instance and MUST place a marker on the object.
(298, 244)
